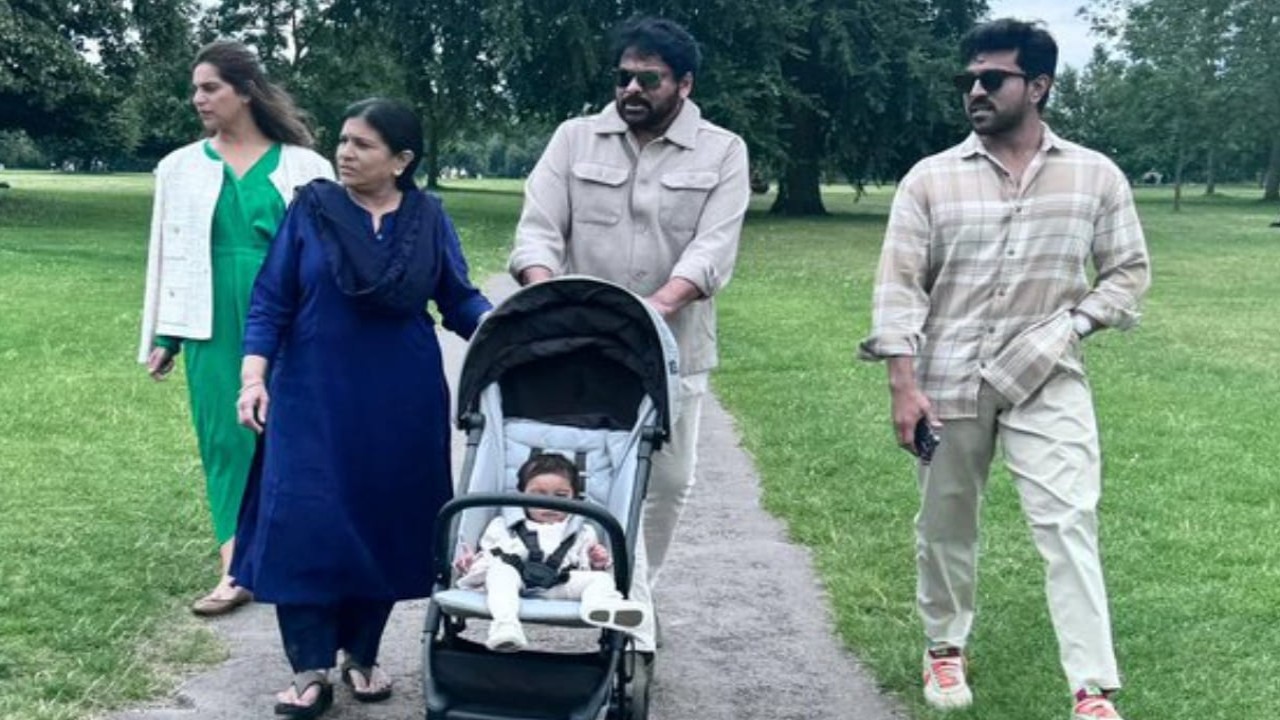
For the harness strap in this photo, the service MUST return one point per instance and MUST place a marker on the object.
(530, 540)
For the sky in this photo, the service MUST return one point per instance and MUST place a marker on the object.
(1075, 44)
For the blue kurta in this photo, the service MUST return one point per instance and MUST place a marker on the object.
(354, 464)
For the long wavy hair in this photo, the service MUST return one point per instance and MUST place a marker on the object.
(273, 109)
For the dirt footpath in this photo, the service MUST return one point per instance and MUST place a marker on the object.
(747, 630)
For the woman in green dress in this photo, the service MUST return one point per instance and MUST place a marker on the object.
(217, 204)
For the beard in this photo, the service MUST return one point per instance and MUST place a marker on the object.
(641, 114)
(986, 119)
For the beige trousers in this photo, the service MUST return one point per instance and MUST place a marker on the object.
(672, 477)
(1050, 445)
(670, 482)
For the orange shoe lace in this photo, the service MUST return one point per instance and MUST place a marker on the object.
(1095, 706)
(948, 672)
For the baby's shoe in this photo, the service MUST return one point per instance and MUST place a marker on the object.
(506, 636)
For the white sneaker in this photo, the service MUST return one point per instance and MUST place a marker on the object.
(945, 685)
(614, 613)
(506, 636)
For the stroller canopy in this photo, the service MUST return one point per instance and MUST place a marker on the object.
(575, 351)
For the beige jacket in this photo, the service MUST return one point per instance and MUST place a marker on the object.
(598, 205)
(178, 299)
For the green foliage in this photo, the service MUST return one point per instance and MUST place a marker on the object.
(498, 154)
(818, 88)
(17, 150)
(348, 57)
(48, 85)
(267, 25)
(1193, 93)
(445, 48)
(162, 97)
(868, 92)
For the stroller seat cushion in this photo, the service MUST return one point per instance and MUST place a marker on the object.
(600, 454)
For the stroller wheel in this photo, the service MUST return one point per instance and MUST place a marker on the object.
(637, 691)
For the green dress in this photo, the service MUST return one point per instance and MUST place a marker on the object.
(245, 219)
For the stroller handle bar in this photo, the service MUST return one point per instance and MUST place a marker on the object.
(449, 515)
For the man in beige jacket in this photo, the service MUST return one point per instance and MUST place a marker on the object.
(650, 196)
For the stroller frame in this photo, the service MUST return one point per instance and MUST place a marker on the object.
(464, 680)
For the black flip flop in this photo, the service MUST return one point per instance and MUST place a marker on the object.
(322, 702)
(367, 674)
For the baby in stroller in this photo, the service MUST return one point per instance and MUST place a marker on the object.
(542, 555)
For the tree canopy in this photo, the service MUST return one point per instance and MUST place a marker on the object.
(846, 90)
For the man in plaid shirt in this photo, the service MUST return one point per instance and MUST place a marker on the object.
(982, 299)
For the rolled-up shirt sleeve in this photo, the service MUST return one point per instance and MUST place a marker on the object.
(900, 302)
(545, 219)
(708, 260)
(1121, 260)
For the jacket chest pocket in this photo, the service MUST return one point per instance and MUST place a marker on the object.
(684, 194)
(598, 193)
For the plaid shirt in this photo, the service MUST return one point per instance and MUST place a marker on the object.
(979, 278)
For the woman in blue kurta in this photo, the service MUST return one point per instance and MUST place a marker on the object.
(343, 376)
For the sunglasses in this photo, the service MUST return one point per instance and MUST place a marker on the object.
(647, 79)
(991, 80)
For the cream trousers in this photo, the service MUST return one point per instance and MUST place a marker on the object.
(1050, 445)
(670, 482)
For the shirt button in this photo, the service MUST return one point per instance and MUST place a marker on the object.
(991, 329)
(1009, 253)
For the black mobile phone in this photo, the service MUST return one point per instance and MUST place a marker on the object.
(926, 440)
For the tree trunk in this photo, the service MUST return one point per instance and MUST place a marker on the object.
(1271, 188)
(1210, 179)
(799, 187)
(431, 163)
(1177, 179)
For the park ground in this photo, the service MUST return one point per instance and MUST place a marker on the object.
(103, 534)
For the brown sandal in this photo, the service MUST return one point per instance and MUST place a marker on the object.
(210, 606)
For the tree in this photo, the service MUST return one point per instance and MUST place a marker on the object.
(867, 92)
(347, 56)
(1192, 77)
(1253, 74)
(272, 27)
(167, 44)
(450, 74)
(50, 82)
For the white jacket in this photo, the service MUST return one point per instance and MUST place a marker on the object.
(179, 291)
(500, 535)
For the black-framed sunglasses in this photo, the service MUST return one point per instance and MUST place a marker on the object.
(647, 79)
(991, 80)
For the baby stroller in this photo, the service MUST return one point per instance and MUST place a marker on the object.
(587, 369)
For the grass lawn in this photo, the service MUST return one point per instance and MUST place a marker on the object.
(104, 537)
